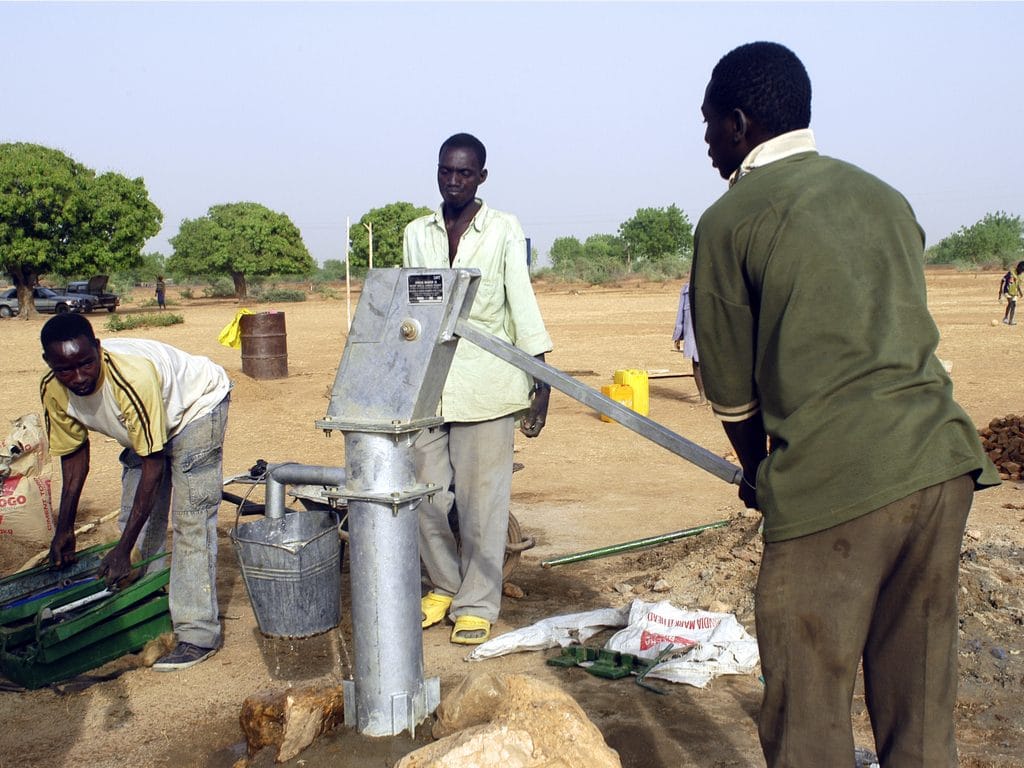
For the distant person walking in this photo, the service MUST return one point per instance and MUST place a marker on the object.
(161, 292)
(684, 341)
(1011, 289)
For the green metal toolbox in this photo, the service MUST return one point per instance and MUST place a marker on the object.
(55, 624)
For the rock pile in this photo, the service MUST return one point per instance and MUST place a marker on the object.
(1003, 441)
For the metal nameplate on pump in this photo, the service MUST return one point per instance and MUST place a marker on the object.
(426, 288)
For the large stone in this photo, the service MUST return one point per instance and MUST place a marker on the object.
(473, 702)
(512, 721)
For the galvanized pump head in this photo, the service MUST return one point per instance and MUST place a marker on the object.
(399, 349)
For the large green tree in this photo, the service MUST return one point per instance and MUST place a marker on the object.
(657, 235)
(997, 239)
(240, 240)
(388, 224)
(57, 216)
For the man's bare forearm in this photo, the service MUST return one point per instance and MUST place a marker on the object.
(74, 469)
(145, 494)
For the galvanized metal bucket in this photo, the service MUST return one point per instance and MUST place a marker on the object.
(292, 571)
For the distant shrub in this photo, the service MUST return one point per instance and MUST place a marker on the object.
(660, 271)
(121, 285)
(597, 272)
(281, 295)
(220, 288)
(153, 303)
(186, 293)
(129, 322)
(326, 291)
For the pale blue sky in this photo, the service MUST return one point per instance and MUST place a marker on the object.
(588, 110)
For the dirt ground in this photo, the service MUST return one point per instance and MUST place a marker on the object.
(585, 483)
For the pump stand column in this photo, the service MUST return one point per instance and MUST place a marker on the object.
(388, 694)
(387, 390)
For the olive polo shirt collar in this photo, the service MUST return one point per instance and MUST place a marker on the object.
(776, 148)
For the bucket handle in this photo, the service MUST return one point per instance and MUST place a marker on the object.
(291, 549)
(238, 509)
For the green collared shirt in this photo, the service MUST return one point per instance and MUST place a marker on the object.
(481, 386)
(809, 306)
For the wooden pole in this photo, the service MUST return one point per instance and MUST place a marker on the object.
(348, 283)
(369, 229)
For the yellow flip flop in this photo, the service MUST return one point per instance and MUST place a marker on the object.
(433, 608)
(470, 630)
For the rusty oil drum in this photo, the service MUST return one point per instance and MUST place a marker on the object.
(264, 345)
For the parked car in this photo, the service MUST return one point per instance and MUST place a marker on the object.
(46, 300)
(95, 290)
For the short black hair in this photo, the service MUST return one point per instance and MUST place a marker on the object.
(1020, 267)
(768, 82)
(66, 327)
(466, 141)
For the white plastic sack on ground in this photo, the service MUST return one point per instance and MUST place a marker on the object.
(708, 644)
(553, 631)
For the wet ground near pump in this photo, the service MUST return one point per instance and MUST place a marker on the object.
(320, 661)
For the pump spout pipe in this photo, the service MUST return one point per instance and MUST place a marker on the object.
(281, 475)
(563, 382)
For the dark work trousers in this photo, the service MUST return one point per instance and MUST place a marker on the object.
(883, 587)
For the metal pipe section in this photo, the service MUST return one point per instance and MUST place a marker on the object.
(643, 426)
(280, 475)
(388, 694)
(615, 549)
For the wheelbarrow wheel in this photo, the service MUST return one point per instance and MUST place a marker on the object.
(515, 545)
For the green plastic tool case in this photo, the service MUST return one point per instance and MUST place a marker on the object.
(41, 644)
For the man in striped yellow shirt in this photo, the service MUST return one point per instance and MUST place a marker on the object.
(168, 409)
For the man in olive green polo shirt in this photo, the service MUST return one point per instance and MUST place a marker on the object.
(818, 354)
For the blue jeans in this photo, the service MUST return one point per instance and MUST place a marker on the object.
(191, 491)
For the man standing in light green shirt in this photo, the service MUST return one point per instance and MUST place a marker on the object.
(482, 396)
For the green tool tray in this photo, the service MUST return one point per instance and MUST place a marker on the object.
(22, 586)
(46, 633)
(38, 648)
(25, 669)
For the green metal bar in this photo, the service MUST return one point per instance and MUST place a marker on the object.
(650, 541)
